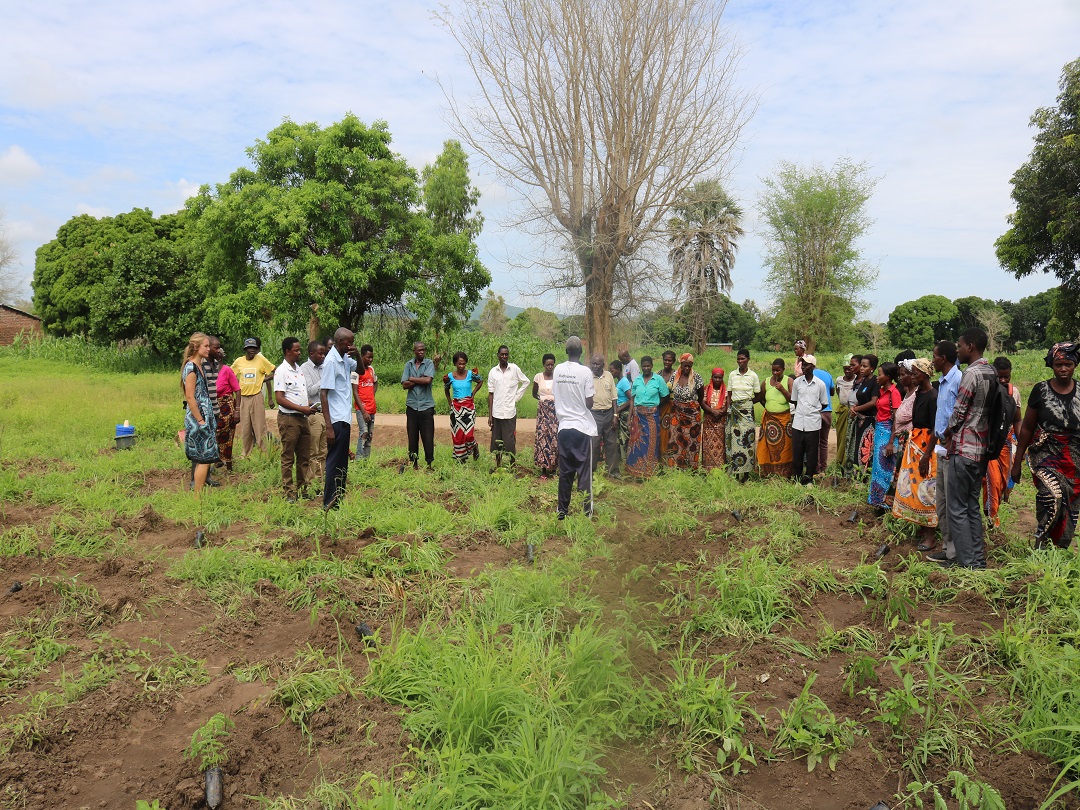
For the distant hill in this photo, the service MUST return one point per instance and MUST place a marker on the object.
(511, 312)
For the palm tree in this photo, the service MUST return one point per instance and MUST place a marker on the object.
(702, 239)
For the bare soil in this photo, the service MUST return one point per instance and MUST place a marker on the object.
(123, 742)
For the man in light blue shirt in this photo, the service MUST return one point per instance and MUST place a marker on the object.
(335, 394)
(419, 405)
(948, 387)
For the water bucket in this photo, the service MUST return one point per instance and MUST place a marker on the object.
(125, 437)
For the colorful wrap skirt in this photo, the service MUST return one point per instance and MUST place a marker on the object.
(684, 436)
(883, 466)
(713, 440)
(463, 427)
(860, 444)
(915, 498)
(742, 437)
(1054, 459)
(643, 452)
(774, 450)
(546, 448)
(841, 420)
(226, 428)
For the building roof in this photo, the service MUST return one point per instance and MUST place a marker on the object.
(19, 312)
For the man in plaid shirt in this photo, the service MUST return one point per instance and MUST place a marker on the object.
(966, 438)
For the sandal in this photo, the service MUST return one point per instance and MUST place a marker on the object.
(926, 546)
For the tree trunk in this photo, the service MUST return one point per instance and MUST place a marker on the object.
(700, 329)
(599, 291)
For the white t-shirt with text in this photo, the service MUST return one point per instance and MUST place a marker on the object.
(571, 385)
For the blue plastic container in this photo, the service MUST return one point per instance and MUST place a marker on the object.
(125, 437)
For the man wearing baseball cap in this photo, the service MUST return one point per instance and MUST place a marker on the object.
(810, 397)
(252, 370)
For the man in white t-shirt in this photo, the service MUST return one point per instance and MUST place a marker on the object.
(572, 388)
(810, 396)
(291, 396)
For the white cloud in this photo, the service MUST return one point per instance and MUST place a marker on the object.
(934, 96)
(93, 210)
(16, 166)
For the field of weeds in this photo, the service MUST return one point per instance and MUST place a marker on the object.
(697, 644)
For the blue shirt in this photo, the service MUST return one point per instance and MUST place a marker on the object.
(419, 397)
(336, 373)
(621, 387)
(648, 394)
(830, 386)
(948, 388)
(460, 389)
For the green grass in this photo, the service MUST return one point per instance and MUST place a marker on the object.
(515, 686)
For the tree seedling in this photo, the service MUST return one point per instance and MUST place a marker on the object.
(200, 539)
(207, 745)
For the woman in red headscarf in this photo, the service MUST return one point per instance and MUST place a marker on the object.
(714, 422)
(684, 418)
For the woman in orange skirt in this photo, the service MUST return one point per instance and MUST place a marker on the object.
(916, 484)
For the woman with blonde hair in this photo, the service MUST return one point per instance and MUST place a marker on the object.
(200, 427)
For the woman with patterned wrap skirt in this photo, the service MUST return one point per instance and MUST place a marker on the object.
(684, 416)
(461, 386)
(743, 387)
(546, 447)
(646, 395)
(200, 427)
(1050, 435)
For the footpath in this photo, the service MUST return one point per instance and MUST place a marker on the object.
(390, 430)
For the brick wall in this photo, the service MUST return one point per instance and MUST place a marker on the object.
(12, 323)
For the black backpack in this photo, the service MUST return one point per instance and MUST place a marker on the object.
(1002, 415)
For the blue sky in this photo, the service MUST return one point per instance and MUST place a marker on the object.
(109, 106)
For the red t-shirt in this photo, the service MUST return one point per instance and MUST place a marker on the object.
(365, 389)
(887, 403)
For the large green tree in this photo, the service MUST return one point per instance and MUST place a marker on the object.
(450, 277)
(1044, 232)
(120, 278)
(1029, 318)
(918, 324)
(967, 314)
(330, 220)
(812, 221)
(702, 242)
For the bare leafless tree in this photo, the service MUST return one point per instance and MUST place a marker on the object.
(996, 323)
(9, 259)
(602, 112)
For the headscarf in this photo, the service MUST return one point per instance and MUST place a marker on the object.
(800, 344)
(847, 359)
(715, 397)
(686, 358)
(1063, 350)
(921, 364)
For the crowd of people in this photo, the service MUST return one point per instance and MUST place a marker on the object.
(924, 445)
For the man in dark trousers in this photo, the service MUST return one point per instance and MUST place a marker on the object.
(419, 405)
(966, 437)
(336, 398)
(572, 388)
(810, 397)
